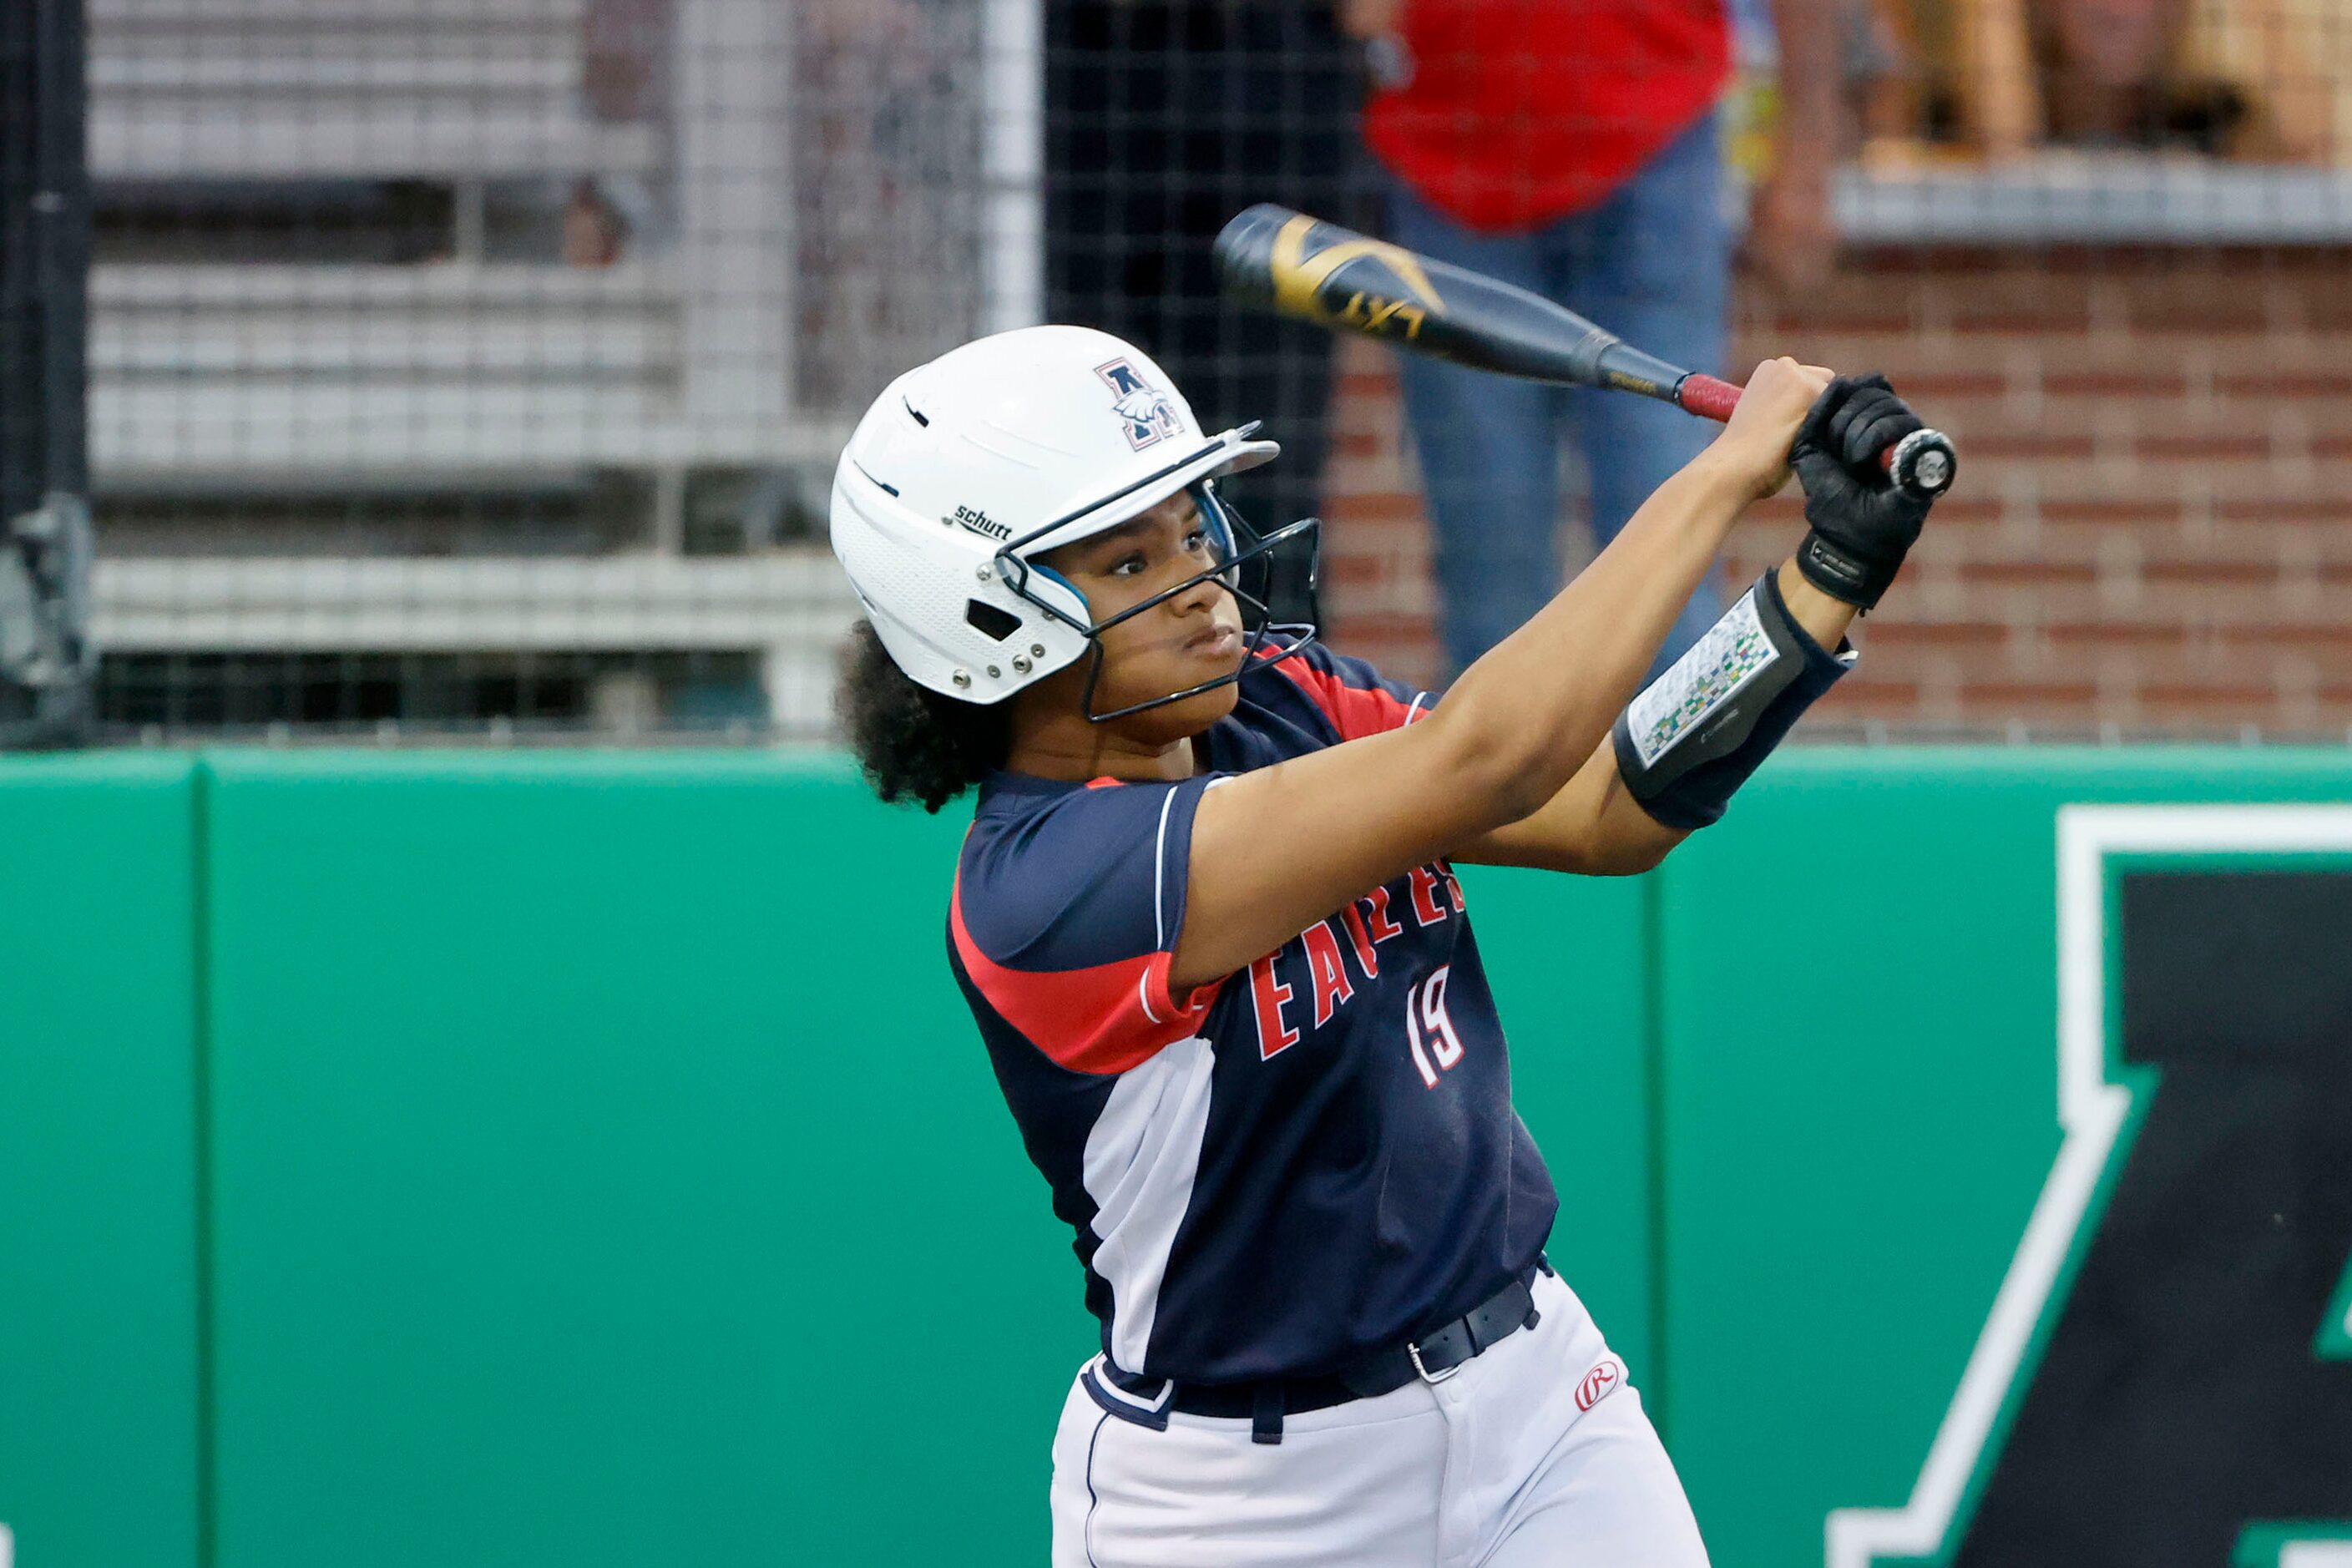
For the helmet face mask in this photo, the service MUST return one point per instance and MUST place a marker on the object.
(1242, 567)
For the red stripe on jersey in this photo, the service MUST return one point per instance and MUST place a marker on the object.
(1103, 1020)
(1354, 712)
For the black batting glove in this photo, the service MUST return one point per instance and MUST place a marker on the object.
(1863, 524)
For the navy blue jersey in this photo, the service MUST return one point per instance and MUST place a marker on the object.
(1311, 1159)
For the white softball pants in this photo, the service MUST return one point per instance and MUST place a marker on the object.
(1534, 1453)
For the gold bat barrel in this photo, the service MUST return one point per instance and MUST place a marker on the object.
(1316, 271)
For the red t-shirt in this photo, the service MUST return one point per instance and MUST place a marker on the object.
(1520, 112)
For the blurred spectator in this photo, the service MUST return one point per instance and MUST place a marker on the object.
(625, 57)
(2290, 61)
(1571, 147)
(626, 65)
(1164, 118)
(2263, 81)
(890, 208)
(2107, 65)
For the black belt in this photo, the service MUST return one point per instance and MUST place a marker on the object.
(1432, 1358)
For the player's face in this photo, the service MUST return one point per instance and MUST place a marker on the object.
(1195, 636)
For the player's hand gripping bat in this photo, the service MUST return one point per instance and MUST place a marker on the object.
(1319, 272)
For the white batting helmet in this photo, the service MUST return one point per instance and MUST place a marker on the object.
(966, 469)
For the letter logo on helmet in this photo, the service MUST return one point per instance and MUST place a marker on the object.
(1148, 414)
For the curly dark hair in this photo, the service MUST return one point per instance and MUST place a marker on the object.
(914, 745)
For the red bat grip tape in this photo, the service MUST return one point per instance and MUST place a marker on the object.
(1712, 399)
(1709, 398)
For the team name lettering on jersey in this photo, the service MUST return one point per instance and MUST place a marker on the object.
(1366, 954)
(1317, 963)
(1273, 1037)
(1425, 907)
(1323, 965)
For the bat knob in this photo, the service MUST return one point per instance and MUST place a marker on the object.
(1923, 462)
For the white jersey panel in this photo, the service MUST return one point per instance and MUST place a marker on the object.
(1140, 1160)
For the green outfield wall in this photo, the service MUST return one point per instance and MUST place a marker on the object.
(587, 1160)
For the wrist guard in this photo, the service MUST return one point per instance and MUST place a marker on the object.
(1842, 573)
(1694, 735)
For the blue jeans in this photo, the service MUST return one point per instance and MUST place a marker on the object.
(1649, 264)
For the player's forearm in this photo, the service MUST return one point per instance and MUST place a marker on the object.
(1530, 712)
(1826, 620)
(1592, 828)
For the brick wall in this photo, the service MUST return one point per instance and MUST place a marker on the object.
(2153, 528)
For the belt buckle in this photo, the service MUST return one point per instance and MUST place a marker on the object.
(1414, 1351)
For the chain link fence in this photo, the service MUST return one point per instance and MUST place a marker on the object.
(464, 368)
(476, 370)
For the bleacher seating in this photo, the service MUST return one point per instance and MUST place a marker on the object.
(227, 370)
(221, 378)
(346, 89)
(444, 366)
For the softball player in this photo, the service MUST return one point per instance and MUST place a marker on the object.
(1207, 921)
